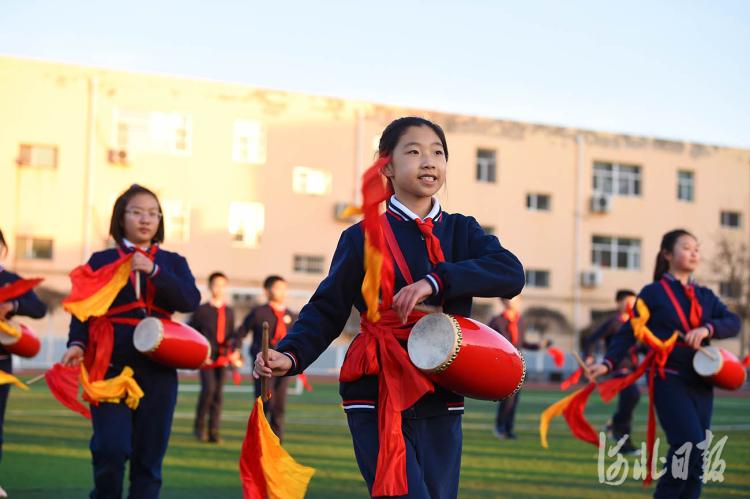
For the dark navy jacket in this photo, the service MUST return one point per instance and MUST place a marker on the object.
(253, 323)
(721, 322)
(205, 321)
(475, 265)
(27, 304)
(174, 291)
(606, 332)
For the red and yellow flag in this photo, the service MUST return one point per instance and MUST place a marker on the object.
(18, 288)
(558, 356)
(95, 290)
(266, 469)
(571, 407)
(63, 383)
(6, 378)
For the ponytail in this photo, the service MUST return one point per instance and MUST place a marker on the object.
(667, 244)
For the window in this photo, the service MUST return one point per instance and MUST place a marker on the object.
(311, 181)
(32, 247)
(614, 252)
(308, 264)
(249, 142)
(537, 278)
(156, 132)
(614, 178)
(176, 220)
(685, 186)
(486, 163)
(37, 156)
(731, 290)
(731, 219)
(246, 221)
(538, 202)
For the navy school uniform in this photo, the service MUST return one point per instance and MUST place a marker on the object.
(683, 400)
(274, 407)
(27, 304)
(475, 265)
(141, 435)
(622, 419)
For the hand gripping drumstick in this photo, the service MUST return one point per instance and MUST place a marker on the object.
(703, 350)
(583, 365)
(263, 379)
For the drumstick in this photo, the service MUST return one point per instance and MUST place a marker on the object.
(427, 309)
(138, 285)
(35, 379)
(705, 352)
(263, 379)
(583, 365)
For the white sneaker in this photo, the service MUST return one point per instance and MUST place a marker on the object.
(3, 493)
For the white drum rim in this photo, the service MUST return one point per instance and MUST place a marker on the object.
(8, 339)
(141, 331)
(457, 340)
(701, 358)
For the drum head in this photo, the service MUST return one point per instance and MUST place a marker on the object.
(703, 365)
(433, 342)
(148, 334)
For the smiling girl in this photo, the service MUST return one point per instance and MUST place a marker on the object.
(105, 344)
(406, 431)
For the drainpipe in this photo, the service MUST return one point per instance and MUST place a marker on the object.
(88, 205)
(577, 244)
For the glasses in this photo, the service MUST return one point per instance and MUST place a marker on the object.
(141, 214)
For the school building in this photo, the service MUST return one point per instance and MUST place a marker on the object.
(252, 182)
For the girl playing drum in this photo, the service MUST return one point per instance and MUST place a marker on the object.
(406, 430)
(132, 429)
(683, 399)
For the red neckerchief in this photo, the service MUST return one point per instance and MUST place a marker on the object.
(221, 324)
(696, 310)
(512, 317)
(433, 243)
(280, 331)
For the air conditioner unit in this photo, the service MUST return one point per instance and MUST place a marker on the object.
(340, 212)
(601, 203)
(591, 278)
(120, 156)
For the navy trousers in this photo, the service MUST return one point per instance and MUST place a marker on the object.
(275, 407)
(684, 409)
(7, 366)
(506, 413)
(433, 453)
(622, 420)
(140, 435)
(210, 400)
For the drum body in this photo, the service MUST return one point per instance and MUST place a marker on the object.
(171, 343)
(26, 345)
(466, 357)
(725, 372)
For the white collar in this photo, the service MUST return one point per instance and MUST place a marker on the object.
(672, 278)
(130, 245)
(410, 214)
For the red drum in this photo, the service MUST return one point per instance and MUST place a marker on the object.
(171, 343)
(466, 357)
(725, 372)
(26, 345)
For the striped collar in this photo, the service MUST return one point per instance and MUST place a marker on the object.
(398, 210)
(670, 277)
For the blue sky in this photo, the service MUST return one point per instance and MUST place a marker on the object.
(677, 70)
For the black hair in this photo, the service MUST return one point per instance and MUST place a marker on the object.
(214, 276)
(667, 244)
(116, 227)
(4, 249)
(271, 280)
(622, 294)
(397, 128)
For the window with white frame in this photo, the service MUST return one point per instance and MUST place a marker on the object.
(617, 179)
(685, 186)
(537, 278)
(34, 248)
(616, 252)
(731, 290)
(310, 181)
(246, 222)
(37, 156)
(731, 219)
(153, 131)
(249, 144)
(538, 202)
(308, 264)
(486, 165)
(176, 220)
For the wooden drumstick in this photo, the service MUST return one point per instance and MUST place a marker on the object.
(582, 364)
(427, 309)
(138, 285)
(703, 350)
(263, 379)
(35, 379)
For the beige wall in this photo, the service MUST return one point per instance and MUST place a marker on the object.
(48, 103)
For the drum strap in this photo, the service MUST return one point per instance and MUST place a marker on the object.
(695, 308)
(395, 249)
